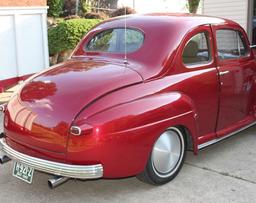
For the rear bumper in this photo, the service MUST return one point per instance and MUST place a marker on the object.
(60, 169)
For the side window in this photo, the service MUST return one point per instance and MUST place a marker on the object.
(197, 50)
(230, 44)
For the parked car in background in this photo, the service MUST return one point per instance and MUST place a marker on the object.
(137, 93)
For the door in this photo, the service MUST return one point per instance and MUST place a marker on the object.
(236, 75)
(196, 63)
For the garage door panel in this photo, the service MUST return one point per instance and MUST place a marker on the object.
(30, 44)
(8, 63)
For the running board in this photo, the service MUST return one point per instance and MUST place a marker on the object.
(211, 142)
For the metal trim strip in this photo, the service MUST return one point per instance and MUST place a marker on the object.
(60, 169)
(211, 142)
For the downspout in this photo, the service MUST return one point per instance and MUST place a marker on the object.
(249, 17)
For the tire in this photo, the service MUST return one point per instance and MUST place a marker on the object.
(166, 159)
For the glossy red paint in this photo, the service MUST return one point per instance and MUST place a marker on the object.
(11, 81)
(123, 108)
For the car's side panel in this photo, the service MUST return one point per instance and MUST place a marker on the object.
(126, 133)
(202, 87)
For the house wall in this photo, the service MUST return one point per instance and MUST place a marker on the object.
(23, 40)
(149, 6)
(236, 10)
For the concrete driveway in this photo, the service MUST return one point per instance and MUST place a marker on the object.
(225, 172)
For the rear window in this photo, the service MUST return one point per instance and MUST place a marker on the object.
(116, 40)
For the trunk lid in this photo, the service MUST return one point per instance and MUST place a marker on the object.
(40, 116)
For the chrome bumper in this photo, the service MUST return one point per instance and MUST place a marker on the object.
(59, 169)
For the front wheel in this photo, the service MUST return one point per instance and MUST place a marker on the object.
(167, 157)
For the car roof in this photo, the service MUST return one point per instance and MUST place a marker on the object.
(163, 34)
(186, 19)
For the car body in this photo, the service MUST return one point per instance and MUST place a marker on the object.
(112, 110)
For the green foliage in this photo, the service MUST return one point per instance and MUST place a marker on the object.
(84, 7)
(55, 7)
(193, 5)
(67, 34)
(102, 41)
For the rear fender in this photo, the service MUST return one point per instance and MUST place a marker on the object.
(148, 111)
(126, 133)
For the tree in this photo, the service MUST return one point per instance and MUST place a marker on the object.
(55, 7)
(110, 4)
(193, 5)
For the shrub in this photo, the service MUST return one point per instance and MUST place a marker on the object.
(67, 34)
(121, 11)
(95, 15)
(55, 7)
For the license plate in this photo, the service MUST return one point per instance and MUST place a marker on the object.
(23, 172)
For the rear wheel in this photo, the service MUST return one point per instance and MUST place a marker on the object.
(166, 158)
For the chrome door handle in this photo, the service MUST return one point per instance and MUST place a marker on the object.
(224, 72)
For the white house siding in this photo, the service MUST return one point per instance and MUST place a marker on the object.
(149, 6)
(236, 10)
(23, 41)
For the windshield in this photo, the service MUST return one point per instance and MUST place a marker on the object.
(116, 41)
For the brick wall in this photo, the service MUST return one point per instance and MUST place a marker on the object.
(12, 3)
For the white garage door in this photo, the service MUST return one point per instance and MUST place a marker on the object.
(23, 41)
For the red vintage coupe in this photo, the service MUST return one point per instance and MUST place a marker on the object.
(136, 94)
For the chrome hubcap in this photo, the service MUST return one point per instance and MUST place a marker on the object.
(167, 152)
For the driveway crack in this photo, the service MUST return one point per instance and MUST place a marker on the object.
(221, 173)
